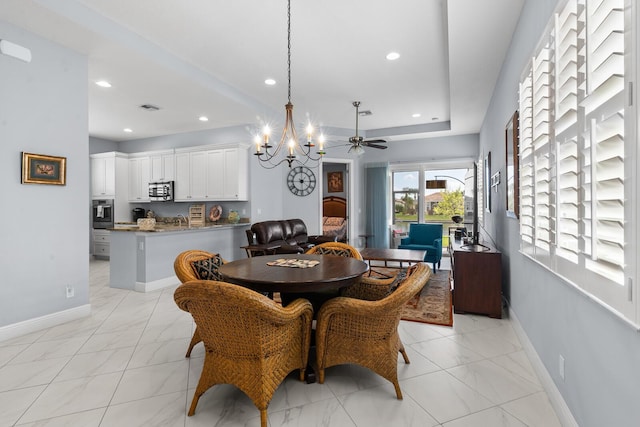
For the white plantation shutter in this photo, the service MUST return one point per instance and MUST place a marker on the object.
(526, 162)
(604, 111)
(541, 151)
(566, 138)
(574, 177)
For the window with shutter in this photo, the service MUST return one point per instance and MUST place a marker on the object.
(574, 151)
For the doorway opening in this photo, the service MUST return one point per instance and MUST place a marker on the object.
(336, 205)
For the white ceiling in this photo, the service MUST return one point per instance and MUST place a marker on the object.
(211, 57)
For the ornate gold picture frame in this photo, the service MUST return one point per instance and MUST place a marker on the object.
(334, 182)
(42, 169)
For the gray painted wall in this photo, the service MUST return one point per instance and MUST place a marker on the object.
(44, 234)
(602, 354)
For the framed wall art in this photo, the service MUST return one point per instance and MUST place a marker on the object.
(43, 169)
(513, 165)
(335, 182)
(487, 182)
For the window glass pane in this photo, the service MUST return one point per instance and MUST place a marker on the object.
(447, 195)
(405, 200)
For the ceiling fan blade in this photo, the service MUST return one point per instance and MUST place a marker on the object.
(382, 147)
(375, 141)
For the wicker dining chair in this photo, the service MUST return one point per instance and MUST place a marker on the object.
(369, 288)
(253, 348)
(366, 332)
(185, 268)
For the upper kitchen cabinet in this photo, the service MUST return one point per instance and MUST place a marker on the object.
(162, 166)
(108, 175)
(236, 174)
(212, 174)
(139, 178)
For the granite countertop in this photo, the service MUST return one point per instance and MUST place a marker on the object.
(168, 227)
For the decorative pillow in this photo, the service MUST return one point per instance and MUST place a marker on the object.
(207, 269)
(402, 276)
(334, 221)
(333, 251)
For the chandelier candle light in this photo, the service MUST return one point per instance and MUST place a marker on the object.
(289, 136)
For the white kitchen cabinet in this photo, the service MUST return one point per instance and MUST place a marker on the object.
(103, 182)
(215, 175)
(236, 174)
(109, 180)
(182, 186)
(212, 174)
(139, 177)
(162, 166)
(191, 176)
(101, 244)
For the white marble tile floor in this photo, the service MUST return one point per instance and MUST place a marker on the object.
(124, 366)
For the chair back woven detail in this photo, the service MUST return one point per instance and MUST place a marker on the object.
(366, 332)
(336, 248)
(250, 341)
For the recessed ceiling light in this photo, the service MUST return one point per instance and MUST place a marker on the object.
(270, 82)
(392, 56)
(415, 115)
(127, 130)
(203, 118)
(103, 83)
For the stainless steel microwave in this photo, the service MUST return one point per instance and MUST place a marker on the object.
(161, 191)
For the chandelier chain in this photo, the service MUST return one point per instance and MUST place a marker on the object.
(289, 46)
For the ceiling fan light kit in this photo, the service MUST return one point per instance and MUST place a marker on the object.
(357, 142)
(296, 151)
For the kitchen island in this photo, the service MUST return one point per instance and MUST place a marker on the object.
(142, 260)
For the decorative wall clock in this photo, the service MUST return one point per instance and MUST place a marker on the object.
(301, 181)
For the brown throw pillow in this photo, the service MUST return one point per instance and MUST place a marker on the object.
(207, 269)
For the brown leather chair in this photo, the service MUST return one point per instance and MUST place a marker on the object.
(287, 236)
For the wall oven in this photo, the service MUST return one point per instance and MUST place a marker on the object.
(102, 213)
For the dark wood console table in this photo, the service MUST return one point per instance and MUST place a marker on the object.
(477, 278)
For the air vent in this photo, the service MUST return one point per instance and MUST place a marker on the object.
(365, 113)
(149, 107)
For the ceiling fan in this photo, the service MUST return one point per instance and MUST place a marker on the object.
(358, 142)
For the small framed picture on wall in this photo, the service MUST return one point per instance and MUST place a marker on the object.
(334, 182)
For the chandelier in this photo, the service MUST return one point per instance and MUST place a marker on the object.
(289, 144)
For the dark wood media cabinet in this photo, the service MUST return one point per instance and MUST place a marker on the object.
(477, 278)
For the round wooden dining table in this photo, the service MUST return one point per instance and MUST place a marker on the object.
(331, 273)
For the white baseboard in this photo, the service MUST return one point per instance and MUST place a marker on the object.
(43, 322)
(555, 398)
(156, 284)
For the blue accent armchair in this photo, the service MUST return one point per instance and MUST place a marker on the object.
(425, 237)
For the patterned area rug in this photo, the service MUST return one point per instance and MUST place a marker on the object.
(433, 304)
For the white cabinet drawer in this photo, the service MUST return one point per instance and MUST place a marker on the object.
(101, 249)
(101, 238)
